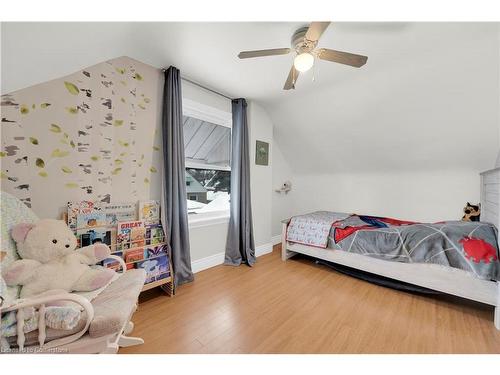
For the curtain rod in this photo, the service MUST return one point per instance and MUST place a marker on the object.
(202, 86)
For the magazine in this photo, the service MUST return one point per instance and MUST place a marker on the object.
(149, 211)
(90, 220)
(135, 255)
(112, 263)
(154, 234)
(117, 212)
(89, 237)
(77, 208)
(130, 234)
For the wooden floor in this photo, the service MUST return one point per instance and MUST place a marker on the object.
(300, 307)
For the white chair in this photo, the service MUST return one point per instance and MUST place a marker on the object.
(105, 321)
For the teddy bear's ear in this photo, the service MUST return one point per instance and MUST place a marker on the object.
(20, 231)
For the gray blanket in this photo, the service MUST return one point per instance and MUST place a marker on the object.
(469, 246)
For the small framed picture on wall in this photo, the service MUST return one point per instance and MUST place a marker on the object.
(261, 153)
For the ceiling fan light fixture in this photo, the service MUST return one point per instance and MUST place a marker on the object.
(303, 62)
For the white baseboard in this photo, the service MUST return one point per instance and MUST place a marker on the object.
(276, 239)
(218, 259)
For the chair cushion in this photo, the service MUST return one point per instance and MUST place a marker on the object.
(114, 306)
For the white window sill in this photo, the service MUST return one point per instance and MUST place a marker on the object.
(207, 219)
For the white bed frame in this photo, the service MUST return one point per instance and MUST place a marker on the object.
(444, 279)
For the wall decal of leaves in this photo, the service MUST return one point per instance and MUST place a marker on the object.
(24, 109)
(54, 128)
(94, 158)
(72, 110)
(44, 105)
(2, 154)
(42, 174)
(121, 70)
(141, 106)
(153, 170)
(71, 185)
(66, 169)
(118, 123)
(33, 140)
(123, 143)
(118, 162)
(72, 144)
(72, 88)
(137, 76)
(146, 180)
(116, 171)
(59, 153)
(39, 163)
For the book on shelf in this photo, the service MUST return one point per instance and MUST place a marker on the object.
(154, 234)
(154, 251)
(119, 212)
(149, 211)
(90, 220)
(112, 263)
(135, 255)
(87, 237)
(154, 268)
(130, 234)
(78, 208)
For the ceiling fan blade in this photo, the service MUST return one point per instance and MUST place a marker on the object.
(292, 78)
(316, 29)
(263, 52)
(342, 57)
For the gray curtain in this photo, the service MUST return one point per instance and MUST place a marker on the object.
(174, 203)
(240, 247)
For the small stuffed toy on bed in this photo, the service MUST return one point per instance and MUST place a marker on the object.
(50, 261)
(472, 212)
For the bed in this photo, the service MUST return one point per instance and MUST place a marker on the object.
(479, 283)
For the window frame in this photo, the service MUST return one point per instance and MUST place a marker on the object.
(215, 116)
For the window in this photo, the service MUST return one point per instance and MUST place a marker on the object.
(207, 148)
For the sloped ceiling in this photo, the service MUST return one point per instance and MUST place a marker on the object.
(427, 98)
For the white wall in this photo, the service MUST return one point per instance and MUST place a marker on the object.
(405, 137)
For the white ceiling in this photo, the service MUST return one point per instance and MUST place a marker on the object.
(427, 97)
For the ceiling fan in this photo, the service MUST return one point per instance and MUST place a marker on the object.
(304, 42)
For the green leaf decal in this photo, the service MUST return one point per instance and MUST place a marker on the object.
(39, 163)
(118, 123)
(141, 106)
(121, 70)
(2, 154)
(54, 128)
(42, 174)
(153, 170)
(116, 171)
(142, 156)
(3, 175)
(72, 144)
(66, 169)
(118, 162)
(146, 180)
(33, 140)
(123, 153)
(71, 185)
(156, 148)
(24, 109)
(59, 154)
(138, 77)
(123, 143)
(72, 110)
(33, 106)
(44, 105)
(94, 158)
(72, 88)
(147, 100)
(122, 100)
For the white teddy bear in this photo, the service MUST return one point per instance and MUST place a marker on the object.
(50, 261)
